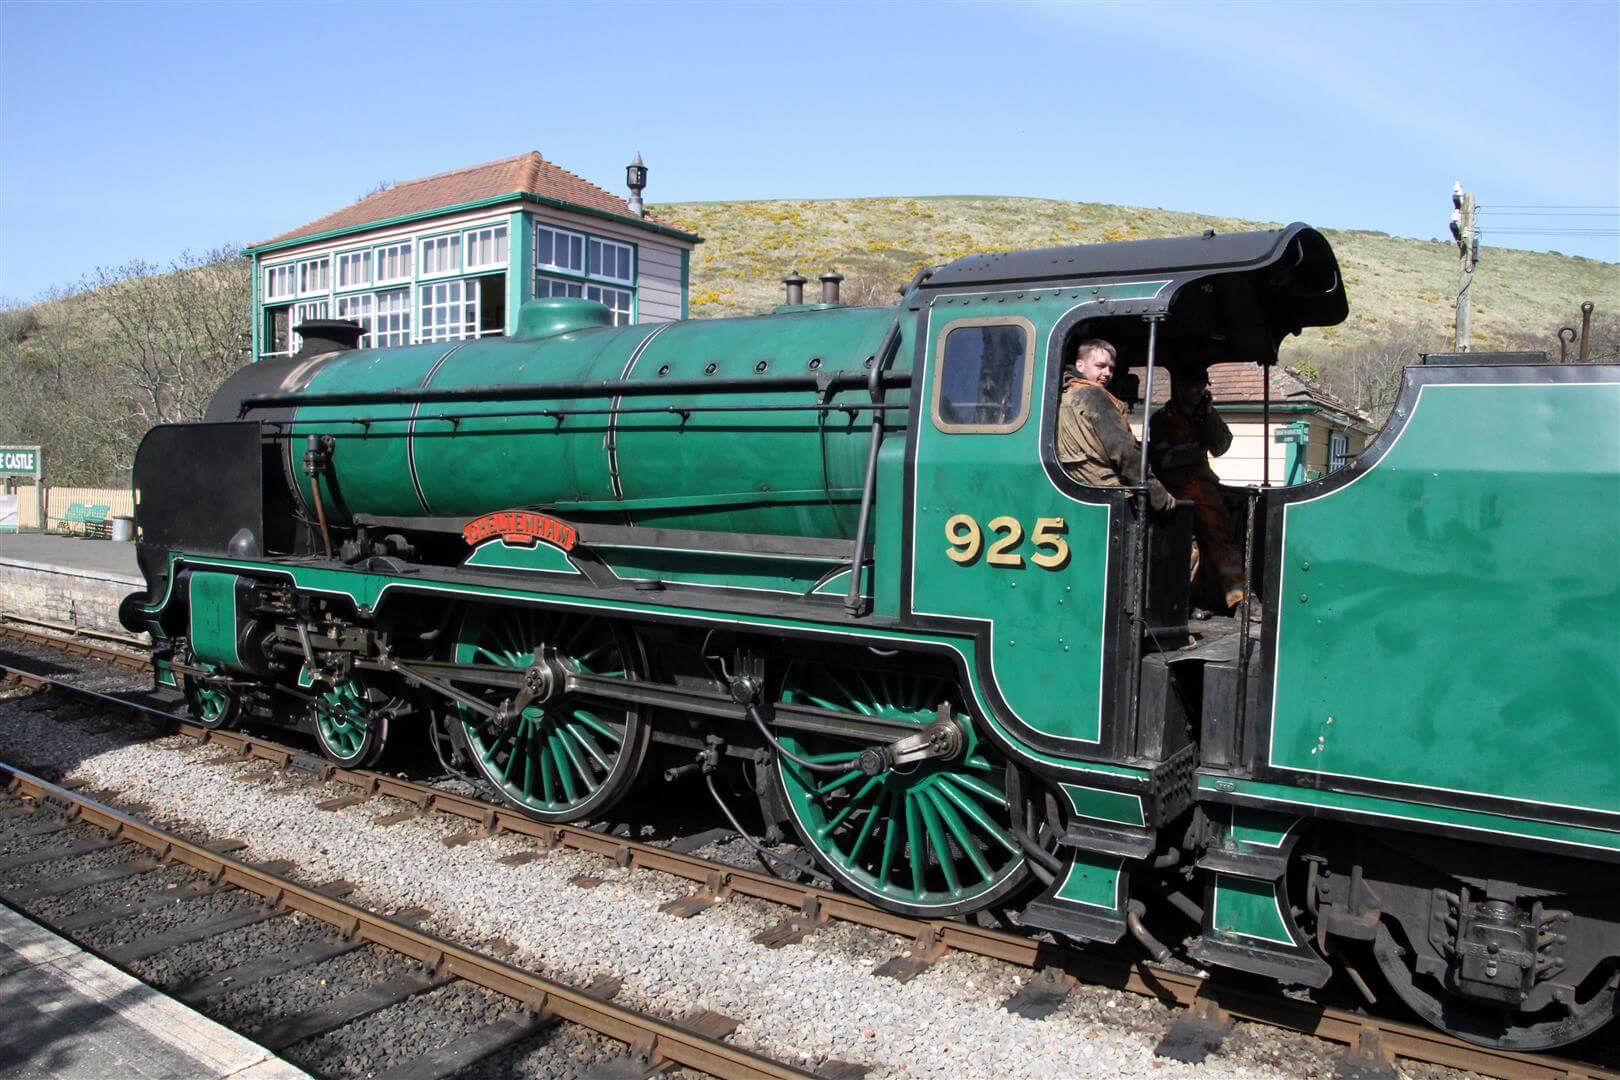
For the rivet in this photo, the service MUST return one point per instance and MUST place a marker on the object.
(1304, 566)
(1304, 598)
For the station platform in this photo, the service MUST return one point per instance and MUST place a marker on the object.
(66, 579)
(70, 1014)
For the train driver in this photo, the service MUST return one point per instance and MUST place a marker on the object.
(1181, 437)
(1095, 444)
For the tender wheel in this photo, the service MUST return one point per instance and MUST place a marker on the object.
(213, 705)
(1481, 1023)
(560, 759)
(352, 721)
(930, 838)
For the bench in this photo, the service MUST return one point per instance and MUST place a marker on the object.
(91, 519)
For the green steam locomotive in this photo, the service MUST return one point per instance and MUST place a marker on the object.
(830, 552)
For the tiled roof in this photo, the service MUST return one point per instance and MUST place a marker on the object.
(1241, 384)
(510, 176)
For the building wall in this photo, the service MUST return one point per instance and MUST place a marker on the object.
(1243, 463)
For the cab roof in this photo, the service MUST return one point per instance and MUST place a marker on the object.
(1254, 288)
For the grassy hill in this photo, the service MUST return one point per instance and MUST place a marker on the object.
(1392, 282)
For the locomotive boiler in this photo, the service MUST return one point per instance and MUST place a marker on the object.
(827, 557)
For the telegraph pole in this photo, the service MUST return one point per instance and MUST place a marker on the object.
(1466, 233)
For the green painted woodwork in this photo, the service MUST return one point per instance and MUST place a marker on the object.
(686, 283)
(519, 266)
(535, 558)
(212, 598)
(1093, 880)
(563, 759)
(929, 835)
(1243, 907)
(800, 474)
(1398, 812)
(256, 343)
(1100, 804)
(1047, 623)
(1447, 620)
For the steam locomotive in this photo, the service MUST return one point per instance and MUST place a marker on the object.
(826, 556)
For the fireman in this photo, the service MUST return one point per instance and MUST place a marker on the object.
(1094, 441)
(1181, 437)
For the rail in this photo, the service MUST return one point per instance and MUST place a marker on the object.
(665, 1040)
(1367, 1036)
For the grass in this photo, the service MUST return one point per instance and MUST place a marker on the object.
(1392, 281)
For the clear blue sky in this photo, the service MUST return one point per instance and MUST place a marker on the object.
(131, 130)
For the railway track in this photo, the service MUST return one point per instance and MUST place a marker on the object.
(1374, 1043)
(536, 1001)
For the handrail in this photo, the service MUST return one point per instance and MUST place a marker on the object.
(838, 380)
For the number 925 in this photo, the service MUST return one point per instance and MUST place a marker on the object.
(966, 540)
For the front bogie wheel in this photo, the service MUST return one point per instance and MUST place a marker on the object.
(933, 838)
(352, 719)
(560, 757)
(213, 705)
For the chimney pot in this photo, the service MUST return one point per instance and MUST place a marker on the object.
(795, 288)
(829, 286)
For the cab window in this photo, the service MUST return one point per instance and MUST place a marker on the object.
(982, 376)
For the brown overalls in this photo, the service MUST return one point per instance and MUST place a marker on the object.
(1179, 446)
(1095, 444)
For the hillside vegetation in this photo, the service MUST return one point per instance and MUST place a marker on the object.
(88, 370)
(1392, 282)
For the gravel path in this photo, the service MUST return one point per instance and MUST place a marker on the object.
(810, 1003)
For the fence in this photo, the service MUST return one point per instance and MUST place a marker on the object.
(120, 502)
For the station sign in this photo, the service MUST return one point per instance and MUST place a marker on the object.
(20, 461)
(1297, 432)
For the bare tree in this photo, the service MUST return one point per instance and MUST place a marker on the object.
(86, 372)
(1368, 376)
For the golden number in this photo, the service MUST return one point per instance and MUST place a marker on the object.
(1048, 533)
(962, 533)
(1001, 553)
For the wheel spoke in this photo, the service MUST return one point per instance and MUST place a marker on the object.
(833, 785)
(593, 722)
(935, 833)
(949, 790)
(914, 846)
(854, 804)
(576, 782)
(959, 832)
(980, 788)
(868, 826)
(582, 737)
(891, 837)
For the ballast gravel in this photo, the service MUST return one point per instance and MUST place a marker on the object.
(809, 1003)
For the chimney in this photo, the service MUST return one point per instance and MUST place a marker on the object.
(795, 288)
(829, 286)
(635, 178)
(328, 335)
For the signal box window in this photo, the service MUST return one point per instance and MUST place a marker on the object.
(982, 376)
